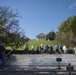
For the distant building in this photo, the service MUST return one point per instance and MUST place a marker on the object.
(41, 36)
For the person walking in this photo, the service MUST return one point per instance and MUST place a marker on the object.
(14, 49)
(41, 47)
(56, 48)
(60, 49)
(74, 49)
(2, 54)
(25, 49)
(64, 49)
(32, 49)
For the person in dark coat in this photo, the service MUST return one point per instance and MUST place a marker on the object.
(32, 49)
(51, 49)
(2, 54)
(37, 50)
(25, 49)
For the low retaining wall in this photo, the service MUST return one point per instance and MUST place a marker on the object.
(35, 52)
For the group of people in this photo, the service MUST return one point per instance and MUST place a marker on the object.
(49, 49)
(46, 49)
(60, 49)
(43, 48)
(57, 49)
(63, 49)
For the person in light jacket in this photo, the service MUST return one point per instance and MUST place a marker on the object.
(64, 49)
(74, 49)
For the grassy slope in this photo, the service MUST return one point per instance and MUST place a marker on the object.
(38, 43)
(35, 43)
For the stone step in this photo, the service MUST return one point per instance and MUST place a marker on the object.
(41, 64)
(42, 60)
(35, 73)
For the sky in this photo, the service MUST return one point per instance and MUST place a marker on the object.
(41, 16)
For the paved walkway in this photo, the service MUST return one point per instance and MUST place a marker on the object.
(40, 61)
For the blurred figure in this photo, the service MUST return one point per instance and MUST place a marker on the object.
(41, 47)
(44, 49)
(14, 49)
(74, 49)
(64, 49)
(56, 48)
(37, 50)
(2, 54)
(25, 49)
(47, 48)
(50, 49)
(32, 49)
(60, 49)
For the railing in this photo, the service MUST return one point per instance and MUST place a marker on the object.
(9, 53)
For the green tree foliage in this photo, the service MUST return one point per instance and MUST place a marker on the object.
(50, 35)
(10, 33)
(67, 31)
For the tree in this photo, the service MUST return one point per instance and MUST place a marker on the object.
(9, 27)
(50, 35)
(67, 31)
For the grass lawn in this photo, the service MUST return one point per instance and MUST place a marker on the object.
(38, 43)
(35, 43)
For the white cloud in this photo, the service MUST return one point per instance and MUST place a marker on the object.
(71, 2)
(73, 6)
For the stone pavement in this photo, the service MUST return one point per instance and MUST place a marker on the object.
(24, 62)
